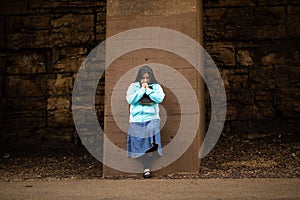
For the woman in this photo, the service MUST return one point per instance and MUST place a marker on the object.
(144, 129)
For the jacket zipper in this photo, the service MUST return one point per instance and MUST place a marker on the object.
(142, 113)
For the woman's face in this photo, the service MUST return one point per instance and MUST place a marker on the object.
(145, 78)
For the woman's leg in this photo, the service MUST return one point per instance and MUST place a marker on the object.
(147, 160)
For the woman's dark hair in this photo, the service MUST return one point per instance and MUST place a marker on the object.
(142, 71)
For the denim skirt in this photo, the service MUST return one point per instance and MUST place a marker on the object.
(143, 137)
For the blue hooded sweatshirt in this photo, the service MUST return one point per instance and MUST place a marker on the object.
(144, 113)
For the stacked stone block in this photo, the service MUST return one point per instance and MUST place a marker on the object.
(43, 44)
(255, 44)
(256, 47)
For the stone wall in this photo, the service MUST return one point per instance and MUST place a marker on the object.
(43, 44)
(255, 44)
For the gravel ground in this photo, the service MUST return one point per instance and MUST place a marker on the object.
(233, 157)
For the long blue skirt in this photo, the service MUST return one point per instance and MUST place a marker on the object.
(143, 136)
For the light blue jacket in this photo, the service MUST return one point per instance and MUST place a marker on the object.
(143, 113)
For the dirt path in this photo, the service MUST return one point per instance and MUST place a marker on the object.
(151, 189)
(235, 169)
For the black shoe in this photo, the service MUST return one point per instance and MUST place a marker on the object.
(147, 173)
(153, 148)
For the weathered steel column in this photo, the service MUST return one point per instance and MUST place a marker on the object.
(182, 16)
